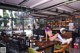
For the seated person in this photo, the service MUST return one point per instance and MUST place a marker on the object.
(3, 33)
(57, 36)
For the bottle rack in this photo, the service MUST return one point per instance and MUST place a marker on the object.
(59, 22)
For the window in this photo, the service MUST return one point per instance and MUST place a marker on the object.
(28, 22)
(15, 20)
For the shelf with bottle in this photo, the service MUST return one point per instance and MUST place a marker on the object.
(59, 23)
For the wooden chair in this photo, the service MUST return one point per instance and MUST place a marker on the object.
(66, 46)
(60, 50)
(31, 50)
(67, 35)
(63, 48)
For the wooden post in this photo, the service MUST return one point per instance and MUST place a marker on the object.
(46, 37)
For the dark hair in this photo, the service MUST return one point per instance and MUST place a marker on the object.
(49, 27)
(3, 33)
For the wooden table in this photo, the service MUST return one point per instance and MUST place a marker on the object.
(46, 46)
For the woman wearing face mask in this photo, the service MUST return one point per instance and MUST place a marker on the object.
(57, 36)
(62, 31)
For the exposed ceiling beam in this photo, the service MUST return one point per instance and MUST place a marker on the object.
(52, 6)
(41, 14)
(53, 11)
(65, 4)
(23, 2)
(44, 14)
(60, 4)
(12, 6)
(70, 6)
(39, 3)
(65, 13)
(57, 11)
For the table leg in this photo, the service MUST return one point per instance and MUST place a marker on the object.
(52, 49)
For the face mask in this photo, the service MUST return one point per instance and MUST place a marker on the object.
(63, 32)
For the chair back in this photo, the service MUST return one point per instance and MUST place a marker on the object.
(31, 50)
